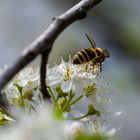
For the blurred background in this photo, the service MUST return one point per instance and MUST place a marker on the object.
(115, 25)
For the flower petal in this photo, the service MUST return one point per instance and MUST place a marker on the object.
(66, 86)
(53, 79)
(99, 103)
(111, 132)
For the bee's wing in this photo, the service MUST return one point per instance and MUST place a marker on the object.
(91, 40)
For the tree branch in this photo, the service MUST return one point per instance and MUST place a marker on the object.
(46, 40)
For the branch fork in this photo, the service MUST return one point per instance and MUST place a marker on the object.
(44, 43)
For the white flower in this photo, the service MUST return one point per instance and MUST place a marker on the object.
(31, 99)
(99, 123)
(96, 127)
(61, 74)
(69, 76)
(97, 93)
(74, 128)
(12, 93)
(40, 125)
(28, 77)
(24, 88)
(102, 123)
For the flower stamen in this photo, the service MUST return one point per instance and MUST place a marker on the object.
(90, 90)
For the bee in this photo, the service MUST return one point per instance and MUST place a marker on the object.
(92, 55)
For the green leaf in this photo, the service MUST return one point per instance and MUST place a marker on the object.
(91, 137)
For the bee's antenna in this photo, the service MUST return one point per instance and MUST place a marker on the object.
(62, 61)
(91, 40)
(54, 63)
(70, 60)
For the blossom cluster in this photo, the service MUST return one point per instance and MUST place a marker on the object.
(23, 91)
(81, 94)
(80, 98)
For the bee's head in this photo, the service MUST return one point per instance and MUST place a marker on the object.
(105, 53)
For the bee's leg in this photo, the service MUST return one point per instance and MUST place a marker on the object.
(100, 64)
(97, 68)
(93, 68)
(86, 67)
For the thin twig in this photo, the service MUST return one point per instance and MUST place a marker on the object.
(43, 71)
(46, 40)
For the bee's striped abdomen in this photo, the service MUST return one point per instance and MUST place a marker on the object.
(84, 56)
(98, 51)
(91, 53)
(78, 59)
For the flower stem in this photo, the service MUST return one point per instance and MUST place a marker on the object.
(22, 101)
(78, 118)
(51, 92)
(76, 100)
(65, 98)
(68, 102)
(53, 98)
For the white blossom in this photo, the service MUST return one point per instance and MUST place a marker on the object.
(74, 128)
(101, 123)
(81, 82)
(69, 76)
(78, 93)
(40, 125)
(24, 88)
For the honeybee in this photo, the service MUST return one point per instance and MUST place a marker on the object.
(92, 55)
